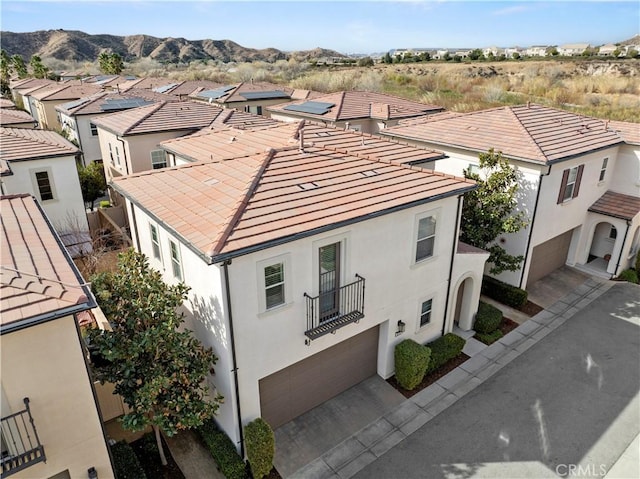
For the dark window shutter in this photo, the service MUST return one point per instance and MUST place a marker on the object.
(578, 178)
(563, 185)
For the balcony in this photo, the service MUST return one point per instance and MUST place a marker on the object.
(21, 446)
(331, 310)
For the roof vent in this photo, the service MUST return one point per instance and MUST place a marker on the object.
(369, 173)
(308, 186)
(211, 181)
(232, 139)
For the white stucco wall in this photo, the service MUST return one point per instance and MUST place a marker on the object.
(66, 210)
(625, 174)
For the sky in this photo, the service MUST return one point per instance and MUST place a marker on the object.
(365, 26)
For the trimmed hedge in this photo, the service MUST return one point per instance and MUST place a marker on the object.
(629, 275)
(412, 360)
(489, 338)
(126, 462)
(638, 263)
(261, 447)
(443, 349)
(223, 451)
(503, 292)
(488, 318)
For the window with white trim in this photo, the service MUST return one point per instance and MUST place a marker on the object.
(425, 241)
(158, 159)
(613, 233)
(94, 129)
(43, 183)
(603, 169)
(425, 312)
(117, 156)
(176, 264)
(570, 186)
(155, 242)
(111, 153)
(274, 285)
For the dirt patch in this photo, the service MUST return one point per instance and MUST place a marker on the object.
(147, 452)
(507, 325)
(531, 309)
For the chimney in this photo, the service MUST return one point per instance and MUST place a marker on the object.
(347, 125)
(301, 138)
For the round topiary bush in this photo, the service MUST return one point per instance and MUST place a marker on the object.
(261, 447)
(488, 318)
(629, 275)
(412, 360)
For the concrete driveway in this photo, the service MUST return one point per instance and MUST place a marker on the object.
(568, 406)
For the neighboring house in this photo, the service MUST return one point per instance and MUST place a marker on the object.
(46, 99)
(129, 139)
(537, 51)
(20, 90)
(277, 248)
(77, 117)
(12, 118)
(573, 49)
(509, 52)
(495, 51)
(110, 82)
(364, 111)
(578, 187)
(144, 83)
(43, 164)
(608, 49)
(182, 89)
(51, 425)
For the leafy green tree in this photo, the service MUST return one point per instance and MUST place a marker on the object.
(387, 58)
(489, 210)
(515, 56)
(633, 53)
(476, 54)
(103, 62)
(5, 72)
(110, 63)
(158, 370)
(19, 67)
(365, 62)
(92, 182)
(37, 67)
(553, 51)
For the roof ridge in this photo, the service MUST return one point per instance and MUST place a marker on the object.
(342, 96)
(524, 128)
(241, 205)
(156, 106)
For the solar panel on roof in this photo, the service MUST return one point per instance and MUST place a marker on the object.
(165, 88)
(74, 104)
(112, 104)
(313, 107)
(217, 93)
(262, 95)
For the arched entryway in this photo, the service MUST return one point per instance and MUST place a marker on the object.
(602, 246)
(465, 308)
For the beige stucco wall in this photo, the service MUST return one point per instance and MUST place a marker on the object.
(46, 363)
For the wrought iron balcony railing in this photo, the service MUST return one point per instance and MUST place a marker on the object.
(333, 309)
(21, 446)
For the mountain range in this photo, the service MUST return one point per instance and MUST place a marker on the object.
(72, 45)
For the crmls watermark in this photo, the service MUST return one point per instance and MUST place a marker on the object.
(581, 470)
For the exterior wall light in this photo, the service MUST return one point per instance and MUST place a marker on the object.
(401, 326)
(92, 473)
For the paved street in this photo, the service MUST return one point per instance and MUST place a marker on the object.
(568, 406)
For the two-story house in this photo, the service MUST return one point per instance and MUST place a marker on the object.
(20, 90)
(43, 164)
(46, 99)
(11, 117)
(364, 111)
(578, 181)
(307, 264)
(51, 425)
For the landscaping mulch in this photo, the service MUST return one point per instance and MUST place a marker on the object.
(147, 452)
(531, 309)
(431, 377)
(274, 474)
(507, 325)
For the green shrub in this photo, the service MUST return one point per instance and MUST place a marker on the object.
(503, 292)
(444, 349)
(489, 338)
(412, 360)
(488, 318)
(223, 451)
(261, 447)
(105, 204)
(126, 462)
(629, 275)
(638, 263)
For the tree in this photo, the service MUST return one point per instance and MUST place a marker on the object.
(158, 370)
(632, 53)
(19, 67)
(5, 72)
(37, 67)
(110, 63)
(489, 210)
(365, 62)
(92, 182)
(553, 51)
(387, 58)
(476, 54)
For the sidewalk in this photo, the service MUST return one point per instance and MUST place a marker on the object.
(356, 452)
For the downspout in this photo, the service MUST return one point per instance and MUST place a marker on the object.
(621, 249)
(225, 265)
(135, 224)
(456, 235)
(124, 152)
(533, 220)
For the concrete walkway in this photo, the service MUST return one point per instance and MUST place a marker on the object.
(374, 440)
(192, 457)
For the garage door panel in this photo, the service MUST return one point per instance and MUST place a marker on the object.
(549, 256)
(300, 387)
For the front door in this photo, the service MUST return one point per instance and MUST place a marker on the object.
(329, 281)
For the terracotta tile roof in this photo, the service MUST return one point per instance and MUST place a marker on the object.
(532, 133)
(253, 87)
(165, 116)
(630, 132)
(94, 104)
(10, 117)
(227, 143)
(241, 120)
(5, 168)
(188, 87)
(5, 103)
(232, 207)
(66, 92)
(352, 105)
(617, 205)
(146, 83)
(31, 83)
(37, 277)
(27, 144)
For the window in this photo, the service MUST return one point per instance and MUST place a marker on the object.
(44, 185)
(155, 241)
(94, 130)
(426, 238)
(111, 153)
(473, 169)
(603, 170)
(570, 183)
(425, 312)
(175, 260)
(158, 159)
(613, 233)
(274, 285)
(117, 156)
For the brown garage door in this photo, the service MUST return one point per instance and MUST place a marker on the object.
(296, 389)
(549, 256)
